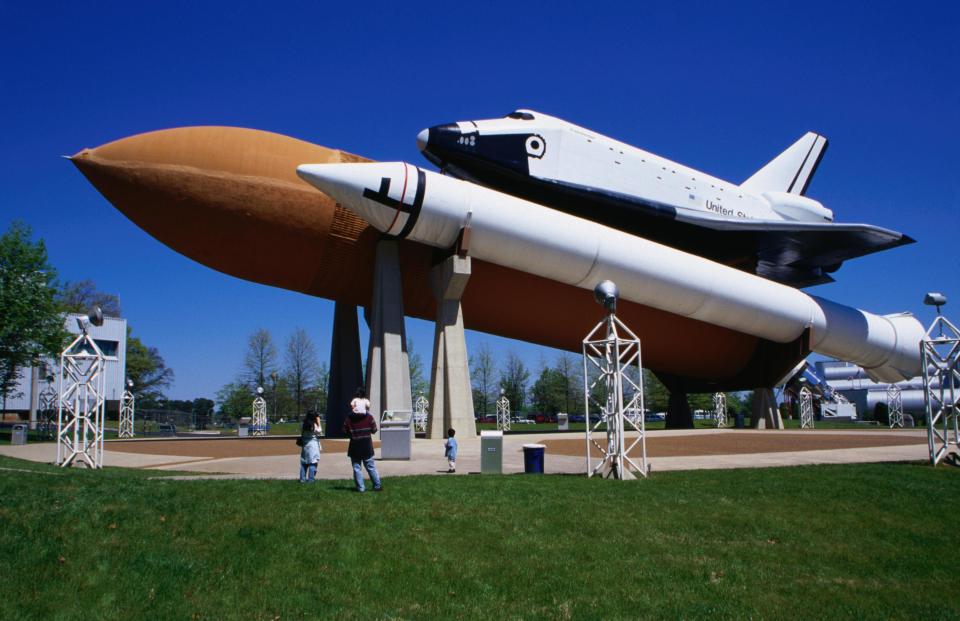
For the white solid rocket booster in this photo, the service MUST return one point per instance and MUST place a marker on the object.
(405, 201)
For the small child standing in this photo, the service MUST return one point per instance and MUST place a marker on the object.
(450, 451)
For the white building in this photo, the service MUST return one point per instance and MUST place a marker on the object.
(111, 337)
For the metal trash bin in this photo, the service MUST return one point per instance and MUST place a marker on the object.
(491, 452)
(533, 455)
(563, 421)
(396, 433)
(19, 435)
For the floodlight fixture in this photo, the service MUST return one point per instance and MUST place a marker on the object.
(259, 390)
(606, 294)
(129, 383)
(935, 299)
(93, 318)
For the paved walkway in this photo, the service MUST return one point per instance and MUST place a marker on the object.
(277, 458)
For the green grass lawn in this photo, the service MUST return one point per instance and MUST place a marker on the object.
(824, 542)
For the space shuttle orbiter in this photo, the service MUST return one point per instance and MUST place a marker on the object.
(765, 225)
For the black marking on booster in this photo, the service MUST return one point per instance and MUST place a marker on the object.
(382, 196)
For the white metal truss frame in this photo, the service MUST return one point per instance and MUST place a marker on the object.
(894, 406)
(421, 409)
(807, 419)
(80, 412)
(258, 421)
(613, 384)
(127, 405)
(47, 407)
(720, 409)
(941, 387)
(503, 413)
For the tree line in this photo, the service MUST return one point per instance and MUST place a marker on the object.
(293, 379)
(557, 387)
(34, 303)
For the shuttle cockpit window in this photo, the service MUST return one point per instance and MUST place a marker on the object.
(523, 116)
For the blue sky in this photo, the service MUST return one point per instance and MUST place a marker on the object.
(720, 87)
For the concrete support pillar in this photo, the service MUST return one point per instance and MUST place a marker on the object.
(765, 414)
(346, 368)
(388, 365)
(679, 415)
(451, 394)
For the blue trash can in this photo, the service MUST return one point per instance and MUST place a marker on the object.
(533, 458)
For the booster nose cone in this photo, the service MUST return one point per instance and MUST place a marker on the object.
(380, 193)
(422, 139)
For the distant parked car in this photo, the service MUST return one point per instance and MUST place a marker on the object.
(168, 429)
(577, 418)
(523, 421)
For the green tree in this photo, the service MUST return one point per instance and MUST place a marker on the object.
(235, 400)
(513, 381)
(203, 412)
(279, 396)
(548, 393)
(31, 325)
(655, 394)
(418, 385)
(701, 401)
(147, 370)
(82, 296)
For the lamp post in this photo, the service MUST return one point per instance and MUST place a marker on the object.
(127, 404)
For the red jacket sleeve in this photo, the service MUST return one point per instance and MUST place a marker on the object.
(373, 424)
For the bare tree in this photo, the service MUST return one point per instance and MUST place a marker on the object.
(83, 295)
(483, 371)
(260, 360)
(301, 363)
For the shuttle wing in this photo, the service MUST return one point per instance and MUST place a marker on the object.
(796, 253)
(802, 253)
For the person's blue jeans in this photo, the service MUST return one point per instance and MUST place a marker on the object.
(371, 467)
(307, 472)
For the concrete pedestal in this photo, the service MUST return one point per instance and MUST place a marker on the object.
(451, 394)
(388, 365)
(346, 368)
(765, 414)
(679, 415)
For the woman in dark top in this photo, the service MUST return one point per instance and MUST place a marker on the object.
(360, 427)
(310, 447)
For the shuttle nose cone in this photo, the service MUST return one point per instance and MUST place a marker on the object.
(440, 142)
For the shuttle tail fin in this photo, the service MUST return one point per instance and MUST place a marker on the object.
(792, 170)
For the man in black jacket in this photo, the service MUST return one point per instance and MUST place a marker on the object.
(360, 427)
